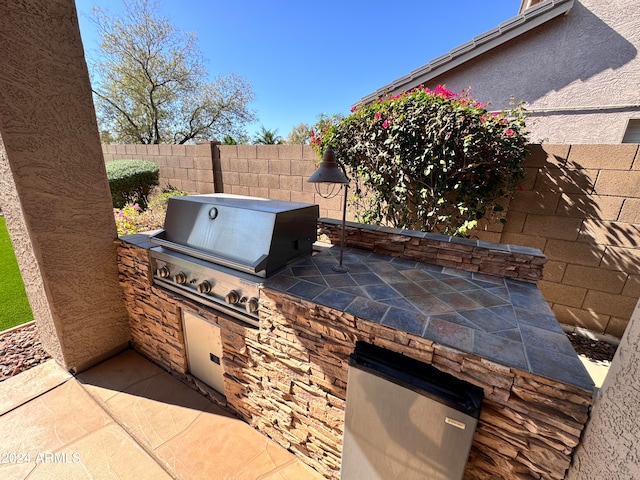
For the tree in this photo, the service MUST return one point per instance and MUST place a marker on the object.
(241, 139)
(150, 84)
(268, 137)
(300, 134)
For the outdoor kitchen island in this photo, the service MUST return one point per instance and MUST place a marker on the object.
(471, 310)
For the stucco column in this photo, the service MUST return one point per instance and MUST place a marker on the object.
(53, 186)
(610, 447)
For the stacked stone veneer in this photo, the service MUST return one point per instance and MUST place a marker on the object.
(154, 314)
(288, 378)
(511, 261)
(528, 427)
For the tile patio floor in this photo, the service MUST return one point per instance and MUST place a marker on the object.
(128, 419)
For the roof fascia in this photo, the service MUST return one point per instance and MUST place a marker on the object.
(506, 31)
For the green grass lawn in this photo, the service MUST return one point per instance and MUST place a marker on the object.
(14, 307)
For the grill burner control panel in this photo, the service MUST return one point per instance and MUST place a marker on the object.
(213, 285)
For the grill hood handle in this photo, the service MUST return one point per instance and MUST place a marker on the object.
(253, 268)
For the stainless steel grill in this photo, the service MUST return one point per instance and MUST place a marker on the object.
(216, 249)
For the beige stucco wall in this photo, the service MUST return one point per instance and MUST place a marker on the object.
(53, 187)
(587, 58)
(610, 447)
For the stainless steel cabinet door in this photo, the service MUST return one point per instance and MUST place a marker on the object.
(392, 433)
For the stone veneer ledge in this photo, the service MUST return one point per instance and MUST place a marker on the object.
(288, 377)
(510, 261)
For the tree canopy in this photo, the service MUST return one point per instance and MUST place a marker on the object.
(150, 84)
(300, 134)
(268, 137)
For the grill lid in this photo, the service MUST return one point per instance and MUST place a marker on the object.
(250, 234)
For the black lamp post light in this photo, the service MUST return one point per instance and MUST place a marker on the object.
(330, 172)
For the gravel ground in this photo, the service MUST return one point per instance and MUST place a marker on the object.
(20, 350)
(596, 350)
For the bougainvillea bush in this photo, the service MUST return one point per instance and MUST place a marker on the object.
(430, 160)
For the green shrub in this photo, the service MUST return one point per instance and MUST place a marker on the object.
(131, 181)
(430, 160)
(161, 200)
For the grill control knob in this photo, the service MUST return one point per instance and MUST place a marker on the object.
(180, 278)
(163, 272)
(252, 305)
(232, 297)
(204, 287)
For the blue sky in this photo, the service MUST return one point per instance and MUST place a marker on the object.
(307, 58)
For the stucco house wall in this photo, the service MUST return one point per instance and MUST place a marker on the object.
(609, 448)
(53, 188)
(577, 73)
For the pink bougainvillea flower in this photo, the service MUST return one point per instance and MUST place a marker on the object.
(377, 115)
(444, 92)
(508, 132)
(385, 124)
(354, 108)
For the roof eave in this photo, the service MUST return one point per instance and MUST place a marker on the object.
(524, 22)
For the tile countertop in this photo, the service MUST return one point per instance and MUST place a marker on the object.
(506, 321)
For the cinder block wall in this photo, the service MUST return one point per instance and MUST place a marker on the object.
(185, 167)
(579, 204)
(273, 171)
(581, 207)
(269, 171)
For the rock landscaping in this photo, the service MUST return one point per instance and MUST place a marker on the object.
(20, 350)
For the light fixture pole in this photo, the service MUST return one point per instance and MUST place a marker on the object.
(330, 172)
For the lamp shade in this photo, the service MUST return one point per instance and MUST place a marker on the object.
(328, 171)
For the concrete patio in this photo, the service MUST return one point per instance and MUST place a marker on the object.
(128, 419)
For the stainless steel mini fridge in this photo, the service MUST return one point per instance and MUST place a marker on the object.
(405, 419)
